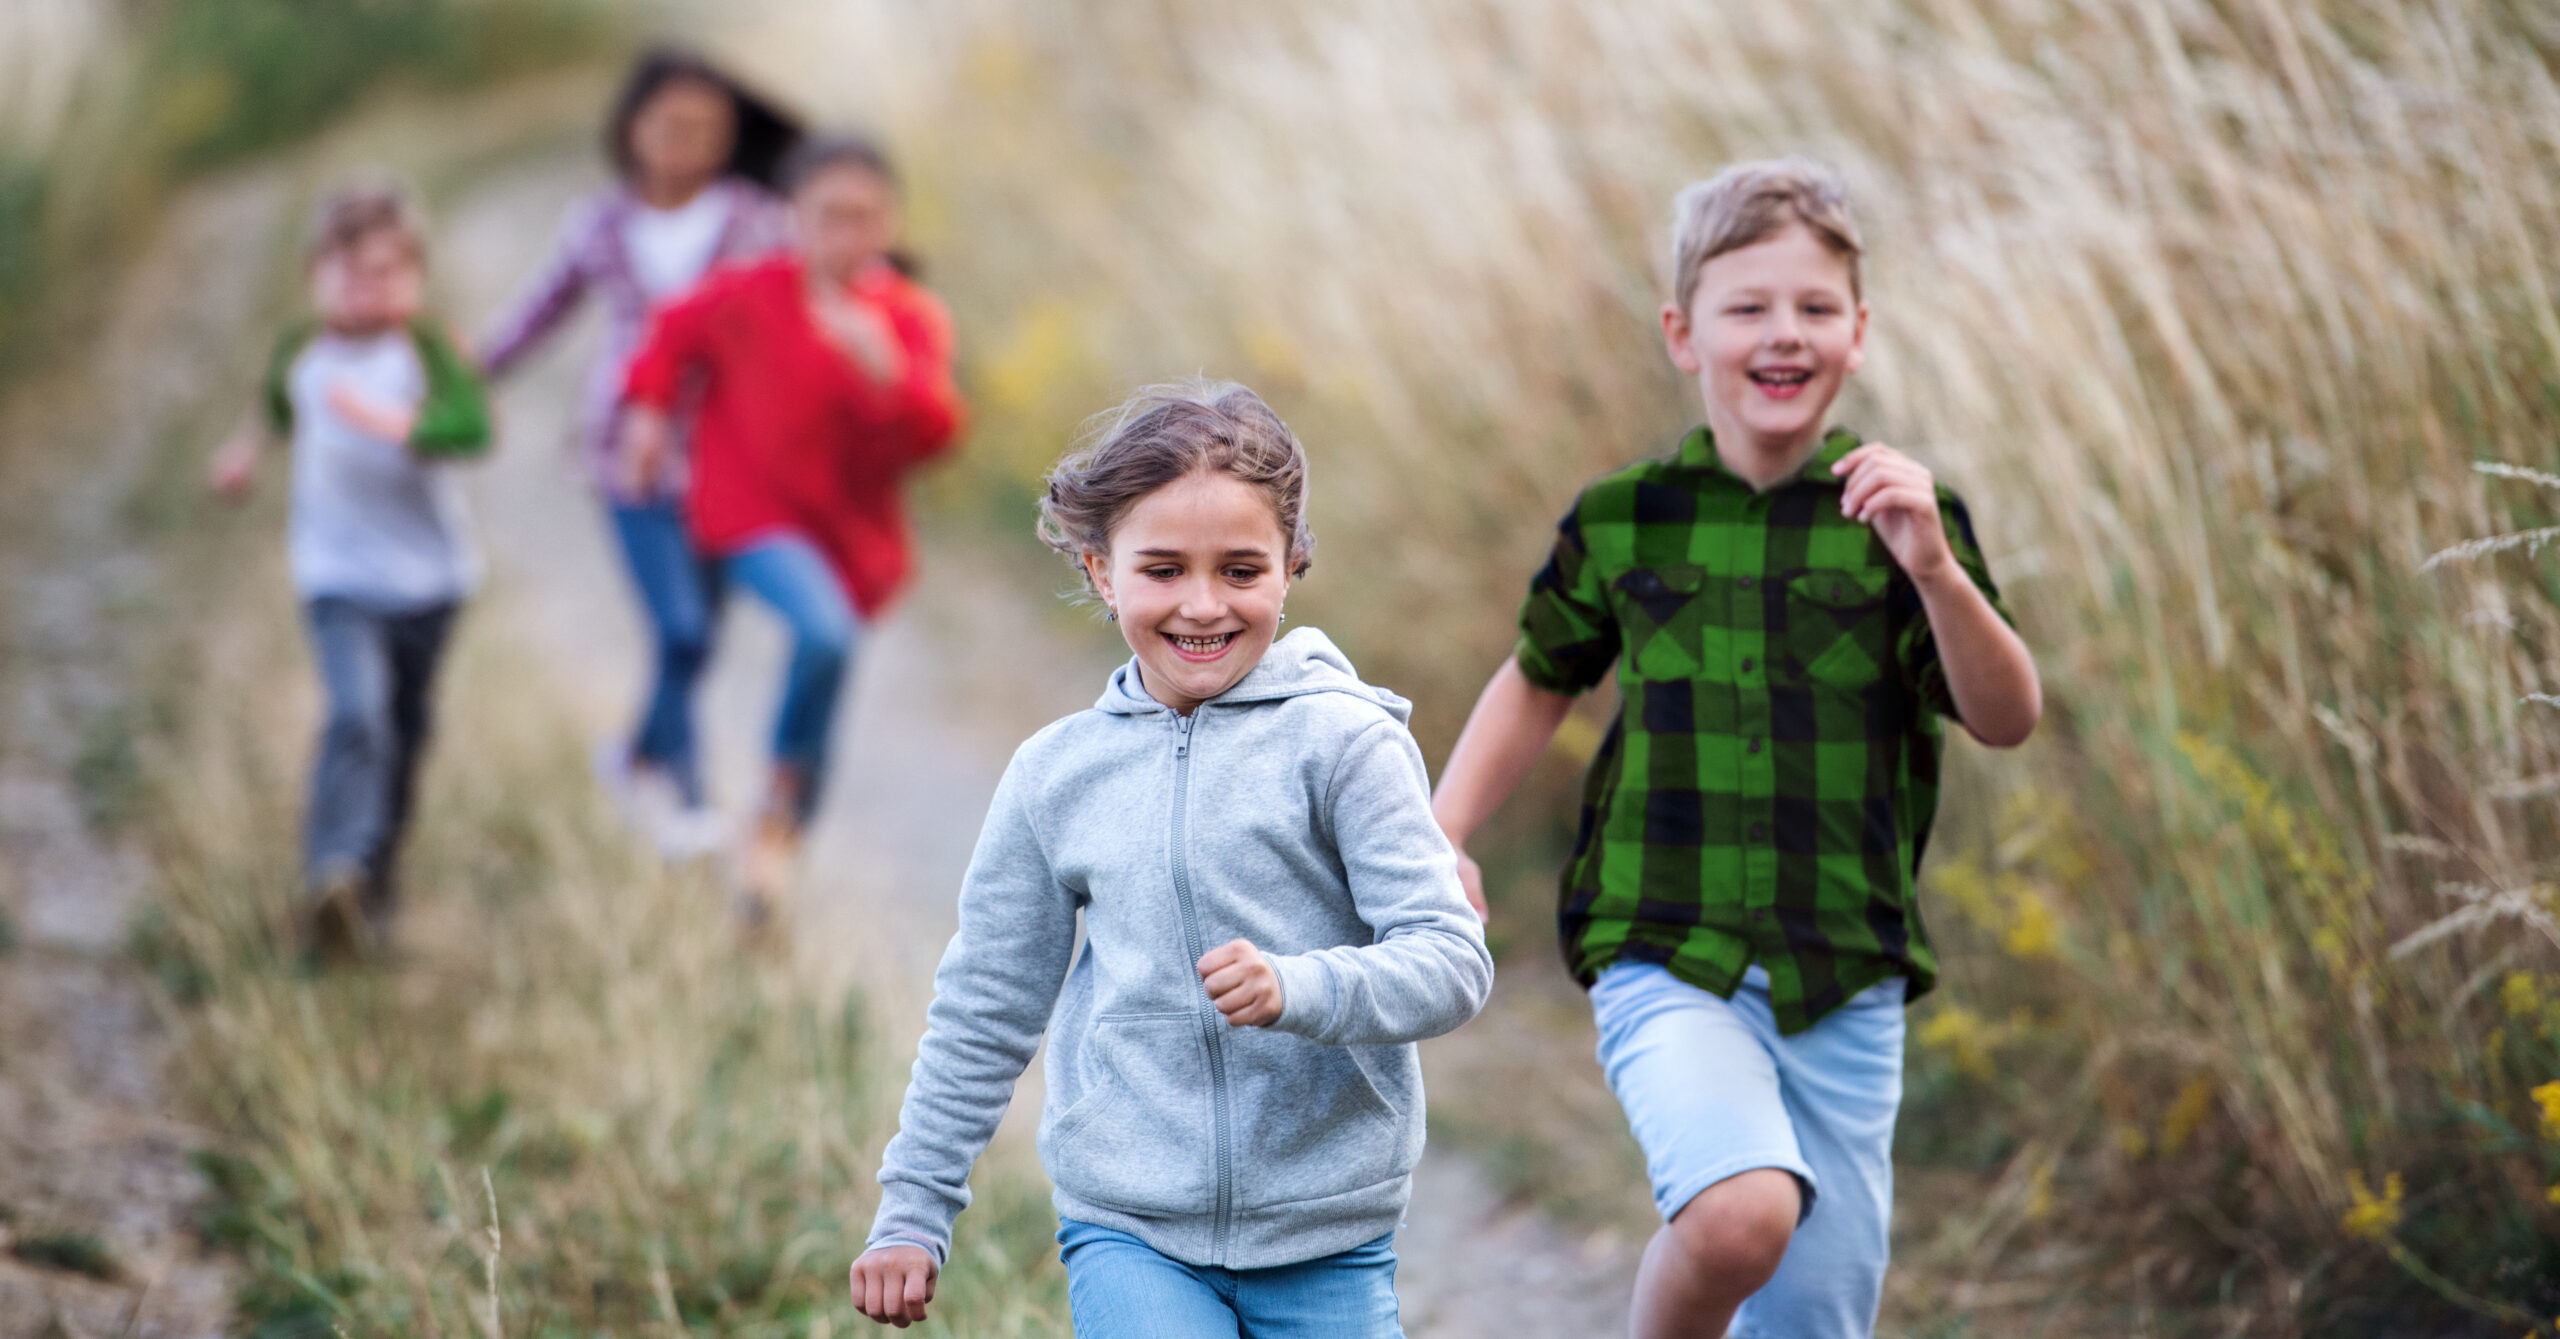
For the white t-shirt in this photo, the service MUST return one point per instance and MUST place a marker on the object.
(371, 522)
(670, 248)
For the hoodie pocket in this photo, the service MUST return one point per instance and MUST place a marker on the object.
(1324, 1125)
(1140, 1138)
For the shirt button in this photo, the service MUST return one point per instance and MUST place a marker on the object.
(1746, 664)
(1745, 583)
(1759, 913)
(1753, 746)
(1759, 832)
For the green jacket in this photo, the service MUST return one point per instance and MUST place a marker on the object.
(453, 421)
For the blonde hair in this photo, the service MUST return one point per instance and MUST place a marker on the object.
(357, 210)
(1748, 203)
(1162, 434)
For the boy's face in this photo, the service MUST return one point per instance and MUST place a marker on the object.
(1771, 332)
(1197, 572)
(374, 284)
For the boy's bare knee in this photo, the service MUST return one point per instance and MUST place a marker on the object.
(1738, 1229)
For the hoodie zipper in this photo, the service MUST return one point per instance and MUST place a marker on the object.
(1209, 1019)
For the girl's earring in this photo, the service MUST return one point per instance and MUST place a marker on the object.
(1110, 615)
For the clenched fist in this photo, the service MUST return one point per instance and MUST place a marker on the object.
(892, 1284)
(1242, 984)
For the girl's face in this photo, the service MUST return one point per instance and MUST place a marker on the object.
(843, 218)
(1197, 572)
(372, 285)
(683, 134)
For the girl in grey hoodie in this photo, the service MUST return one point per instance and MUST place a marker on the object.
(1271, 917)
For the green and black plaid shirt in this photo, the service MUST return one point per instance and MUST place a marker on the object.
(1768, 785)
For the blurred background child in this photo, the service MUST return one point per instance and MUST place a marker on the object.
(694, 153)
(377, 400)
(821, 377)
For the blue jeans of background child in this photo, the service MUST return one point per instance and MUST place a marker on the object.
(377, 670)
(1712, 1090)
(1118, 1287)
(788, 573)
(681, 592)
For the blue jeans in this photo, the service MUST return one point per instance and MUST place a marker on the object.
(377, 671)
(1118, 1287)
(1712, 1090)
(681, 592)
(788, 573)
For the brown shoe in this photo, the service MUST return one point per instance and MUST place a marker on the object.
(765, 868)
(336, 932)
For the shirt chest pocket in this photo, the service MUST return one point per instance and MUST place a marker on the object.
(1836, 630)
(1662, 619)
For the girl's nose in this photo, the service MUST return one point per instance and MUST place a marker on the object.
(1201, 602)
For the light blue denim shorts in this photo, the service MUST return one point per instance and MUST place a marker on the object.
(1711, 1090)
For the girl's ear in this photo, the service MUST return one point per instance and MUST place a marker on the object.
(1097, 569)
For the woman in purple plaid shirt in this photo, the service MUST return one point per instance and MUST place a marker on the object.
(692, 150)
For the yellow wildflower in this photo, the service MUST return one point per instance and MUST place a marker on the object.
(2548, 1095)
(2179, 1123)
(2033, 930)
(2040, 1191)
(1960, 1032)
(2372, 1218)
(2131, 1141)
(2521, 995)
(2552, 1196)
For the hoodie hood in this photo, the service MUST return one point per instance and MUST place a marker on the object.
(1303, 662)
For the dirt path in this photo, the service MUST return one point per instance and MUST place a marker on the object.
(975, 660)
(90, 1147)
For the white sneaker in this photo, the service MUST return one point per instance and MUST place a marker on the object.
(650, 802)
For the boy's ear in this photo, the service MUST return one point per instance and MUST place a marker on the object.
(1858, 340)
(1675, 338)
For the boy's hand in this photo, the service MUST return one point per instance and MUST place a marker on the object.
(1899, 498)
(891, 1284)
(371, 418)
(642, 458)
(1242, 984)
(1471, 878)
(235, 467)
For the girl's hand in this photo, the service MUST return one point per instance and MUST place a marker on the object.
(1471, 878)
(369, 417)
(891, 1284)
(642, 455)
(1242, 984)
(1899, 498)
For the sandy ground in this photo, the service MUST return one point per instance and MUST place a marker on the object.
(976, 658)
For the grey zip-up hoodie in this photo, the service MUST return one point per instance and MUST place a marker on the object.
(1293, 810)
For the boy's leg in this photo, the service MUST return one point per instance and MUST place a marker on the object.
(671, 581)
(1348, 1295)
(350, 774)
(1700, 1085)
(414, 646)
(790, 574)
(1842, 1080)
(1118, 1287)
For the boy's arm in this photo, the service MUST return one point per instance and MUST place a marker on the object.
(1990, 676)
(1427, 969)
(992, 997)
(1513, 723)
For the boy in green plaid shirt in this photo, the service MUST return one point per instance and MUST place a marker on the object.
(1789, 612)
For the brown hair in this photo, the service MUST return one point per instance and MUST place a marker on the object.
(814, 154)
(764, 132)
(1749, 202)
(1161, 434)
(355, 211)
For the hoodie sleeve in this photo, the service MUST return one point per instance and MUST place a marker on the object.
(1428, 970)
(992, 997)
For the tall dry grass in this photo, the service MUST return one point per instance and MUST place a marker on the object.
(2209, 306)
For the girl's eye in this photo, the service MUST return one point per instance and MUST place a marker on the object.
(1161, 573)
(1244, 574)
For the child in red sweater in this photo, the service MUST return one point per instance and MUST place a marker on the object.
(824, 376)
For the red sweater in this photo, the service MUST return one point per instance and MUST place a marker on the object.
(790, 436)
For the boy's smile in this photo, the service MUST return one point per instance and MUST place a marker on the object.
(1772, 331)
(1196, 573)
